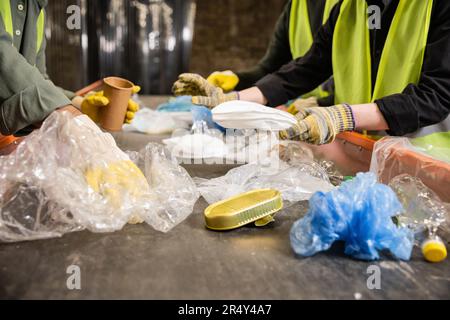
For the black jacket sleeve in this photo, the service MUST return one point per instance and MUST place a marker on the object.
(302, 75)
(277, 55)
(416, 107)
(428, 102)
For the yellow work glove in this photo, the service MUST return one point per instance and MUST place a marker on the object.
(301, 104)
(226, 80)
(93, 102)
(320, 125)
(204, 93)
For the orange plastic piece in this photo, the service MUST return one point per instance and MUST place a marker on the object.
(6, 141)
(434, 173)
(357, 139)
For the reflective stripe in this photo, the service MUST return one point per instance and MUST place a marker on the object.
(5, 12)
(402, 58)
(40, 29)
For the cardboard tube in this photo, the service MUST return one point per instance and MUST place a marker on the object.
(119, 92)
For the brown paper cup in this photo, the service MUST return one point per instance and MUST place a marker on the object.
(118, 91)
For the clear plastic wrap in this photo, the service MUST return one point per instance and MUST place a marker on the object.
(295, 182)
(423, 211)
(152, 122)
(68, 175)
(393, 156)
(360, 213)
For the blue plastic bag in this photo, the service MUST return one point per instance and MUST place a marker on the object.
(359, 213)
(203, 116)
(178, 104)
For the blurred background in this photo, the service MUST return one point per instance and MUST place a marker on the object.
(150, 42)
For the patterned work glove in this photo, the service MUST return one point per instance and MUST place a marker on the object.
(320, 125)
(202, 92)
(302, 104)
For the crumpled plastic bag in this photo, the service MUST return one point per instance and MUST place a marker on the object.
(296, 183)
(359, 212)
(423, 209)
(197, 146)
(44, 192)
(152, 122)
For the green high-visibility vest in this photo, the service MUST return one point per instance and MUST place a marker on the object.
(301, 34)
(6, 15)
(401, 61)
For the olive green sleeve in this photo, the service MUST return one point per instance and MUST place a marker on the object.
(42, 66)
(277, 54)
(26, 97)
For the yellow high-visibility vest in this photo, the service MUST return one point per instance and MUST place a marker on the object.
(300, 32)
(6, 15)
(401, 60)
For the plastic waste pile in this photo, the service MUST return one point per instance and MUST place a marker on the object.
(152, 122)
(297, 153)
(424, 213)
(359, 213)
(206, 140)
(163, 121)
(295, 182)
(68, 176)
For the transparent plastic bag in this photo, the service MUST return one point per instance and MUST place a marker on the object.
(359, 212)
(393, 156)
(423, 211)
(152, 122)
(69, 175)
(296, 183)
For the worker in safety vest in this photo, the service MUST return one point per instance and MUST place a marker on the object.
(394, 80)
(27, 96)
(292, 39)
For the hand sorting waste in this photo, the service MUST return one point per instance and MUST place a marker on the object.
(95, 101)
(69, 175)
(202, 92)
(423, 213)
(360, 213)
(226, 80)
